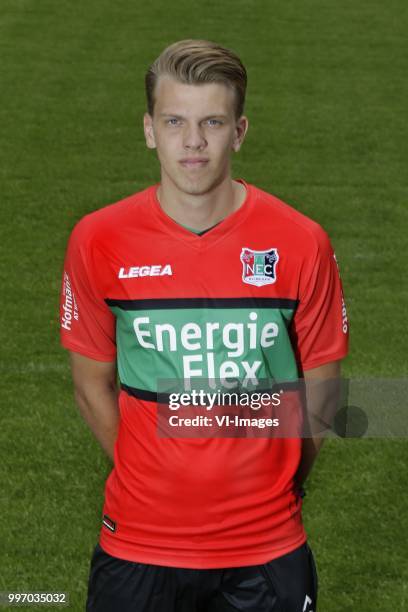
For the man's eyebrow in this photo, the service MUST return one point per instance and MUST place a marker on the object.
(214, 115)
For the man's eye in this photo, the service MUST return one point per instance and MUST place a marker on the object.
(173, 121)
(213, 122)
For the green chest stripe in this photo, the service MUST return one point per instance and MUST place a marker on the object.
(203, 343)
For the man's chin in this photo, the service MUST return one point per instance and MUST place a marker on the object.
(199, 186)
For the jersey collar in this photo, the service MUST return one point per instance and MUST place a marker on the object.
(213, 235)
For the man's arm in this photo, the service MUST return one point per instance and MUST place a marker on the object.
(96, 394)
(322, 387)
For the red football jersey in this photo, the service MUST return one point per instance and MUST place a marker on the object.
(257, 296)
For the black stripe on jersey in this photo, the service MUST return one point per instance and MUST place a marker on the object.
(169, 303)
(164, 398)
(148, 396)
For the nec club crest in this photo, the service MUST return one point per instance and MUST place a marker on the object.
(259, 267)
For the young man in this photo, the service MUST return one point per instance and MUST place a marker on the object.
(198, 277)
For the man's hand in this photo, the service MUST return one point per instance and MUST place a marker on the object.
(96, 394)
(322, 388)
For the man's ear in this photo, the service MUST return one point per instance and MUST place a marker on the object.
(241, 129)
(148, 131)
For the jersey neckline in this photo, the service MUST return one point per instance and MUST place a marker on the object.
(214, 234)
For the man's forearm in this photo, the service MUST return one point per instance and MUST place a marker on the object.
(310, 450)
(322, 393)
(99, 408)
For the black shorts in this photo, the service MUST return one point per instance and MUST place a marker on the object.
(285, 584)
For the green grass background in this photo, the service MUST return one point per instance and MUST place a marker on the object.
(327, 103)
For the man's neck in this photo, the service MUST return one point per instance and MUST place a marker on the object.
(202, 211)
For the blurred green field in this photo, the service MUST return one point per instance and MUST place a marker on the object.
(328, 134)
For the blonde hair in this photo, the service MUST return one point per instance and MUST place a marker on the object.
(196, 62)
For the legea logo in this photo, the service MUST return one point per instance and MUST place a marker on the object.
(138, 271)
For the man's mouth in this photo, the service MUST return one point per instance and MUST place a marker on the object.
(194, 162)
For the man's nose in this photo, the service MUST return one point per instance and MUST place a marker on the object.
(193, 137)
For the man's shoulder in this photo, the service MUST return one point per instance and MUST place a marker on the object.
(286, 218)
(112, 218)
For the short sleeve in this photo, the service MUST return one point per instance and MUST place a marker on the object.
(320, 329)
(87, 326)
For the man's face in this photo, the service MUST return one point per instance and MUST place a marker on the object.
(194, 130)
